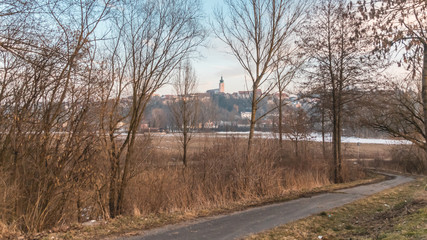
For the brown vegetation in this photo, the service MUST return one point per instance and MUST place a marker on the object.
(404, 158)
(257, 32)
(71, 109)
(218, 174)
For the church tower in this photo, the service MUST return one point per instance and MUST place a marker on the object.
(221, 85)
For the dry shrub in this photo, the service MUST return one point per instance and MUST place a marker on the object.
(8, 226)
(41, 188)
(305, 179)
(8, 231)
(409, 159)
(404, 158)
(215, 177)
(306, 170)
(222, 174)
(353, 171)
(219, 174)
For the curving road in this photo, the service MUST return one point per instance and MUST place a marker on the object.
(240, 224)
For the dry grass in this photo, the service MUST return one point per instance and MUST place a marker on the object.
(8, 231)
(133, 224)
(219, 179)
(404, 158)
(218, 175)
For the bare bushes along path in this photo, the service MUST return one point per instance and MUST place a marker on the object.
(240, 224)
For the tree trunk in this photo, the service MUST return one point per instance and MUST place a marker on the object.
(323, 120)
(296, 147)
(280, 119)
(184, 157)
(253, 121)
(339, 133)
(185, 122)
(336, 136)
(335, 147)
(323, 132)
(424, 93)
(126, 169)
(112, 197)
(79, 206)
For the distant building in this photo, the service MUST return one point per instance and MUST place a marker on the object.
(203, 96)
(221, 85)
(245, 115)
(248, 94)
(220, 89)
(284, 95)
(168, 98)
(213, 91)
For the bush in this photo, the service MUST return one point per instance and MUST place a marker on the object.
(404, 158)
(219, 174)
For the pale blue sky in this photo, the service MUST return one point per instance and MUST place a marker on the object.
(214, 62)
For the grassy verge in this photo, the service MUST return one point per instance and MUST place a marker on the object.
(133, 225)
(398, 213)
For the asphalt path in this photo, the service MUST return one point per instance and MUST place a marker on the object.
(240, 224)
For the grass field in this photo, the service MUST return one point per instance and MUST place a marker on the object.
(351, 151)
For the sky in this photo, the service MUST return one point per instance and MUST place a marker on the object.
(214, 62)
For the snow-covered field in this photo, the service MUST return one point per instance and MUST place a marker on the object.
(316, 137)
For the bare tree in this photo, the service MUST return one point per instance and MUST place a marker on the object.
(397, 110)
(151, 39)
(48, 137)
(159, 118)
(255, 31)
(208, 112)
(184, 109)
(297, 126)
(401, 24)
(286, 68)
(339, 63)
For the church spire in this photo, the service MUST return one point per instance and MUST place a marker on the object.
(221, 85)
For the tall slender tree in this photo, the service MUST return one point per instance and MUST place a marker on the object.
(151, 39)
(184, 109)
(285, 71)
(255, 31)
(47, 64)
(339, 63)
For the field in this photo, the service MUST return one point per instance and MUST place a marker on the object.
(200, 142)
(218, 179)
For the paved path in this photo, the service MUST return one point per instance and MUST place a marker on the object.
(240, 224)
